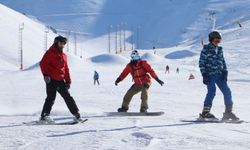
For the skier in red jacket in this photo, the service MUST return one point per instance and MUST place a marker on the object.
(141, 72)
(55, 70)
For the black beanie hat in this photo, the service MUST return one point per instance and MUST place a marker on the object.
(60, 39)
(214, 34)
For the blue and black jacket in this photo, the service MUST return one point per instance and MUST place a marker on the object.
(212, 61)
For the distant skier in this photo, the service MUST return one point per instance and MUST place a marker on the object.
(154, 50)
(56, 75)
(140, 70)
(177, 70)
(167, 70)
(96, 78)
(214, 71)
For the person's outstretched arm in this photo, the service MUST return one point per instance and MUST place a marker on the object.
(123, 75)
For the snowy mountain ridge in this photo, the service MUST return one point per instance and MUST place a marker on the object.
(153, 23)
(22, 93)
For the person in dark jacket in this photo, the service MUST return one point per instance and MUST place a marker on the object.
(96, 78)
(177, 70)
(214, 72)
(141, 72)
(55, 70)
(167, 70)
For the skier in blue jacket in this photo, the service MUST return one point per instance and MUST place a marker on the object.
(214, 72)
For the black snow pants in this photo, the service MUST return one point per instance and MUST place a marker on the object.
(60, 87)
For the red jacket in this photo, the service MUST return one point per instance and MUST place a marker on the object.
(54, 64)
(140, 72)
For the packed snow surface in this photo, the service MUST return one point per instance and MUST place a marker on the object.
(22, 93)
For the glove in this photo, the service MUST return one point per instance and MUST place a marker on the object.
(47, 79)
(206, 79)
(224, 76)
(146, 86)
(67, 86)
(117, 81)
(159, 81)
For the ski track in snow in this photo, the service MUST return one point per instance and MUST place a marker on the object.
(135, 136)
(109, 132)
(23, 92)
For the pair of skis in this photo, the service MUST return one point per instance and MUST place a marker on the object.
(71, 122)
(213, 120)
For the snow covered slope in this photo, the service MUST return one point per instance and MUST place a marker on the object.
(150, 57)
(108, 59)
(22, 93)
(33, 39)
(161, 23)
(151, 21)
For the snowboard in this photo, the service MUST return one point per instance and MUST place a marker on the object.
(214, 121)
(70, 122)
(135, 113)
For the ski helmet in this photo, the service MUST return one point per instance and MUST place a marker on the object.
(135, 55)
(60, 39)
(214, 34)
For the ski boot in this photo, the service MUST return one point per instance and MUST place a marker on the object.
(46, 120)
(122, 109)
(143, 110)
(78, 118)
(229, 115)
(206, 115)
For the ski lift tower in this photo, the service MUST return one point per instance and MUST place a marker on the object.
(120, 37)
(109, 39)
(138, 37)
(21, 28)
(46, 30)
(213, 19)
(124, 36)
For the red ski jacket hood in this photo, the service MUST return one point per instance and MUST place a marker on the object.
(141, 72)
(54, 64)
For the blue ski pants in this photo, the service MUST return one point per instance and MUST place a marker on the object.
(211, 90)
